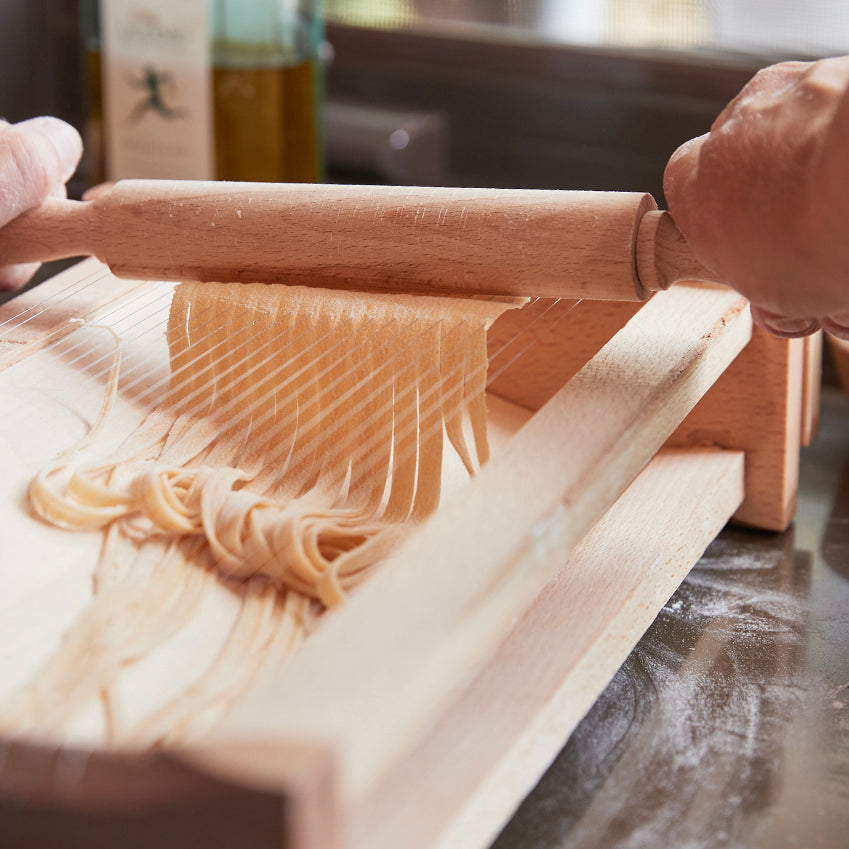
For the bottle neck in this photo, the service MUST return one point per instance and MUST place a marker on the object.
(264, 33)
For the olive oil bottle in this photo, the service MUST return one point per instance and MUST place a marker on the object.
(204, 89)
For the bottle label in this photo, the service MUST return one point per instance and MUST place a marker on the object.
(157, 89)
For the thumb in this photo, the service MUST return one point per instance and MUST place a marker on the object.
(36, 156)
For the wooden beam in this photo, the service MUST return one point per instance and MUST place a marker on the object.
(840, 354)
(811, 384)
(536, 350)
(756, 407)
(766, 404)
(461, 782)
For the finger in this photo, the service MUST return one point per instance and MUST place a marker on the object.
(680, 172)
(837, 325)
(100, 190)
(778, 76)
(59, 191)
(787, 328)
(831, 75)
(767, 83)
(35, 156)
(12, 277)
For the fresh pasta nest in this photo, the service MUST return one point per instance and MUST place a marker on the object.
(302, 435)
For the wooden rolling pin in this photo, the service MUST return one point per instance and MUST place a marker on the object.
(597, 245)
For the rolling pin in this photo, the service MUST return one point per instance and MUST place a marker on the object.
(560, 244)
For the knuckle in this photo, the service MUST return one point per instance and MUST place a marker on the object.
(25, 175)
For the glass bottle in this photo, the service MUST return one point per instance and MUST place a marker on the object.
(204, 89)
(93, 156)
(267, 90)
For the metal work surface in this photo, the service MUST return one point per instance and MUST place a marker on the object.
(729, 723)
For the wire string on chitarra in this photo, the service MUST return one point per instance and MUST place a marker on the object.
(408, 434)
(135, 333)
(283, 359)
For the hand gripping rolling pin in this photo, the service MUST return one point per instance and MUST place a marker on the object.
(558, 244)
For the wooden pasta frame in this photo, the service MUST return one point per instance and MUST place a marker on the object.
(423, 712)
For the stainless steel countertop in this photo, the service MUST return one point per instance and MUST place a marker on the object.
(729, 723)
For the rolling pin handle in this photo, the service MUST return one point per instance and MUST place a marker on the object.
(663, 255)
(57, 229)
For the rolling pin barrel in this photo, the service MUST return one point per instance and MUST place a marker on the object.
(467, 241)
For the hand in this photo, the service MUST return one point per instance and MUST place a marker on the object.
(37, 158)
(763, 199)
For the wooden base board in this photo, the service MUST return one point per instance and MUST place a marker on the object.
(58, 798)
(38, 316)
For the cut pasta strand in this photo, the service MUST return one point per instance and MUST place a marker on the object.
(301, 435)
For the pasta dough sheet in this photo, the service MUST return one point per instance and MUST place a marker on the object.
(302, 434)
